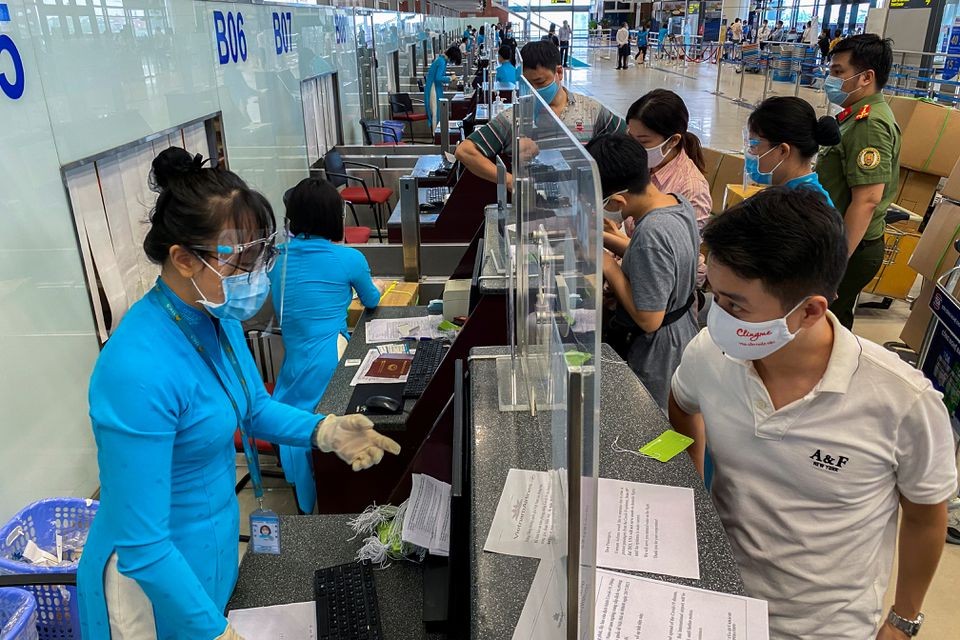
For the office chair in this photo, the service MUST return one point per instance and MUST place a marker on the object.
(378, 135)
(335, 168)
(401, 108)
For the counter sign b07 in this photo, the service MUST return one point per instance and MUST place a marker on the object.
(283, 32)
(11, 84)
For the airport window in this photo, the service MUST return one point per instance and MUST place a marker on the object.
(111, 203)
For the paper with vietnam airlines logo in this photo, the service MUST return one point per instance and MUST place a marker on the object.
(640, 527)
(632, 608)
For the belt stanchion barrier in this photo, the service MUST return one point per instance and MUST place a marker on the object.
(740, 99)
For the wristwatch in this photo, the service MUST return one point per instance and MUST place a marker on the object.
(909, 627)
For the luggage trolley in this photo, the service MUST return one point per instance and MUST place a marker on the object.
(940, 353)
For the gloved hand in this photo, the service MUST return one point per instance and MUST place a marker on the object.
(229, 634)
(353, 439)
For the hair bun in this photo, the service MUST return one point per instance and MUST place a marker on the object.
(827, 132)
(173, 163)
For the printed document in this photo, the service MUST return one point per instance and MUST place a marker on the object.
(523, 523)
(296, 621)
(647, 527)
(426, 522)
(394, 329)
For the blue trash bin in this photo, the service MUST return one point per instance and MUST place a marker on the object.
(18, 615)
(58, 616)
(397, 127)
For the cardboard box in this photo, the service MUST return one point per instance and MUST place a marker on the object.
(397, 294)
(735, 194)
(915, 327)
(930, 135)
(916, 190)
(896, 277)
(951, 188)
(711, 164)
(935, 253)
(729, 172)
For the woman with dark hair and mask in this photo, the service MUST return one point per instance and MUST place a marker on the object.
(170, 388)
(437, 80)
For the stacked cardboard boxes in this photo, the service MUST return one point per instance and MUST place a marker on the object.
(396, 294)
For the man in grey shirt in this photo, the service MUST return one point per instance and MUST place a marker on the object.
(655, 284)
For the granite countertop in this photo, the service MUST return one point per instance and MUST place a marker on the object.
(338, 393)
(309, 543)
(517, 440)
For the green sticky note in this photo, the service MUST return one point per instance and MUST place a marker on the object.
(665, 446)
(577, 358)
(447, 326)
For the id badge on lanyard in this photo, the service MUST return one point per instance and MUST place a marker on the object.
(264, 523)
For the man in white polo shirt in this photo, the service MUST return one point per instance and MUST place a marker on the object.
(817, 436)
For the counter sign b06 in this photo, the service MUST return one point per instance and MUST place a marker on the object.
(11, 84)
(231, 40)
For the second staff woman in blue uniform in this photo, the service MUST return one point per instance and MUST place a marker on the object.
(313, 285)
(437, 81)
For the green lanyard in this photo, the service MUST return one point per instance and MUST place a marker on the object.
(249, 445)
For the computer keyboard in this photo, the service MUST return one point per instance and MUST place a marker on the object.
(425, 363)
(437, 195)
(347, 603)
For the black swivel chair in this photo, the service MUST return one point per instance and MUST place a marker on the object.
(335, 168)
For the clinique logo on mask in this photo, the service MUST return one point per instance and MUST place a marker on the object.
(753, 336)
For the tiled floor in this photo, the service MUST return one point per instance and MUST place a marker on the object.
(719, 121)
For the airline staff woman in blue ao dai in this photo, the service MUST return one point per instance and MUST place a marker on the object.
(783, 137)
(170, 388)
(437, 80)
(313, 284)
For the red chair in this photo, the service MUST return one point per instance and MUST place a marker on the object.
(401, 108)
(335, 168)
(356, 235)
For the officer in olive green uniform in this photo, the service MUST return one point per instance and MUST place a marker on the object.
(862, 173)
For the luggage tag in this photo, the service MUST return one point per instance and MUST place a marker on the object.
(265, 532)
(664, 447)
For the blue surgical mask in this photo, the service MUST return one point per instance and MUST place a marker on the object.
(549, 92)
(833, 87)
(243, 294)
(751, 165)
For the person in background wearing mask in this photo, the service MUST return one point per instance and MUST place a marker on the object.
(642, 36)
(506, 71)
(763, 34)
(311, 284)
(655, 284)
(862, 173)
(818, 437)
(783, 137)
(584, 116)
(777, 35)
(170, 388)
(623, 46)
(566, 36)
(658, 121)
(437, 80)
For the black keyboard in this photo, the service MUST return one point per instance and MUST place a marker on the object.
(347, 603)
(426, 360)
(437, 195)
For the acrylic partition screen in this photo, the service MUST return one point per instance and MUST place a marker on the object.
(558, 295)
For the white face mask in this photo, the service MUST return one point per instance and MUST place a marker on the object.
(616, 216)
(748, 340)
(656, 155)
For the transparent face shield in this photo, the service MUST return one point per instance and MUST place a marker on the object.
(230, 257)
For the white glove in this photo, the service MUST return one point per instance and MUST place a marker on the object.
(353, 439)
(229, 634)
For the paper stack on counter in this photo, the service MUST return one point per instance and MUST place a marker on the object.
(640, 527)
(426, 522)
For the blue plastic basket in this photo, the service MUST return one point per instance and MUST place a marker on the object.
(18, 615)
(57, 614)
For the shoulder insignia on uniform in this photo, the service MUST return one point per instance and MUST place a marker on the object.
(843, 115)
(869, 158)
(864, 113)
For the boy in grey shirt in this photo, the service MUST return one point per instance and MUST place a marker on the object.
(655, 284)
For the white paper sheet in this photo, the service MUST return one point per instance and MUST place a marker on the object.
(543, 610)
(523, 523)
(642, 609)
(296, 621)
(394, 329)
(647, 527)
(426, 522)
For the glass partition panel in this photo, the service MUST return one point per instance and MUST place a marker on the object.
(558, 297)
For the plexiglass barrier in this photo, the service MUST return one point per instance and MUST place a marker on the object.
(557, 231)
